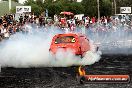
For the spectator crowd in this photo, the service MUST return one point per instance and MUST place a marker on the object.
(9, 25)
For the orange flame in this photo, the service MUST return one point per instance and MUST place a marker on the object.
(81, 71)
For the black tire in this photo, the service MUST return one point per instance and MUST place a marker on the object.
(80, 56)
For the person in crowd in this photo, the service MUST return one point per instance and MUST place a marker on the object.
(21, 20)
(10, 26)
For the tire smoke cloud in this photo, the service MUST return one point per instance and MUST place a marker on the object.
(32, 50)
(114, 39)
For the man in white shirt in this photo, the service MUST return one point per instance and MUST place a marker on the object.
(5, 31)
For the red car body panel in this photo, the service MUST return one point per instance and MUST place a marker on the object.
(78, 43)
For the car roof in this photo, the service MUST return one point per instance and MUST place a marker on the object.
(77, 34)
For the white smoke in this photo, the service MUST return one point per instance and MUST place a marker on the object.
(116, 39)
(32, 50)
(91, 56)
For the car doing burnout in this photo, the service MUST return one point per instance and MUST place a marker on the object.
(78, 43)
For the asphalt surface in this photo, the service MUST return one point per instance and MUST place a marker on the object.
(45, 77)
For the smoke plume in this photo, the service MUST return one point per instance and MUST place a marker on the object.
(31, 49)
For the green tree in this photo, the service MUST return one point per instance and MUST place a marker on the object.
(15, 1)
(55, 8)
(105, 7)
(36, 8)
(91, 8)
(75, 7)
(63, 5)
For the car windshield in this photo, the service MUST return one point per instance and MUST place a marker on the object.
(65, 39)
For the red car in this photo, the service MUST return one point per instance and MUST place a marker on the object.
(79, 43)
